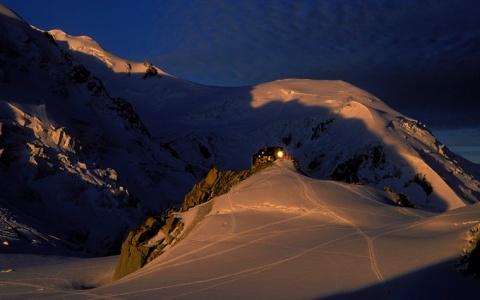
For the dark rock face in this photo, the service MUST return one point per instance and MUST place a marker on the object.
(151, 70)
(474, 262)
(372, 157)
(125, 111)
(147, 242)
(78, 73)
(215, 184)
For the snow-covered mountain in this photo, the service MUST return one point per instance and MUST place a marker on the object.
(92, 143)
(311, 119)
(70, 152)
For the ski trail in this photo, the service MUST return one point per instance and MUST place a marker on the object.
(404, 211)
(365, 190)
(251, 271)
(311, 196)
(241, 273)
(232, 214)
(179, 260)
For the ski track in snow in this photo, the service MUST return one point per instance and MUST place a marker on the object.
(232, 214)
(251, 271)
(244, 273)
(170, 263)
(310, 195)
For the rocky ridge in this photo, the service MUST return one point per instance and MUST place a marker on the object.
(148, 241)
(216, 183)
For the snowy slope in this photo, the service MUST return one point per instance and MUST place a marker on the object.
(280, 235)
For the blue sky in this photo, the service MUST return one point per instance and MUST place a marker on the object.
(421, 57)
(119, 26)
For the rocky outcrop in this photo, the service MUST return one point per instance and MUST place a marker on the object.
(125, 110)
(147, 242)
(469, 261)
(215, 184)
(151, 70)
(472, 252)
(474, 262)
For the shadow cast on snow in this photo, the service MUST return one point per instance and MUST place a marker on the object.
(439, 281)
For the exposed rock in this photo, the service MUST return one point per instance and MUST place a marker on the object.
(320, 128)
(474, 262)
(112, 174)
(36, 150)
(80, 74)
(133, 253)
(147, 242)
(151, 70)
(125, 110)
(61, 138)
(215, 184)
(372, 158)
(95, 85)
(64, 159)
(469, 263)
(40, 167)
(401, 199)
